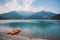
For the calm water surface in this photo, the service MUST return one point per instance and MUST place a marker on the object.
(33, 27)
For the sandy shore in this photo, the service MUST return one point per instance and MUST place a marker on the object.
(4, 36)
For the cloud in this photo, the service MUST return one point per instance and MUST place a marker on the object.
(26, 6)
(13, 5)
(10, 6)
(3, 2)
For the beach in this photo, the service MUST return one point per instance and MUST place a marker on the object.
(4, 36)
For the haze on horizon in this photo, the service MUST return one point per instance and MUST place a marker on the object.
(29, 5)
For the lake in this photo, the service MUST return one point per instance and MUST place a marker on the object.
(34, 28)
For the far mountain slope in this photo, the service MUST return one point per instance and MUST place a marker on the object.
(42, 15)
(11, 15)
(56, 17)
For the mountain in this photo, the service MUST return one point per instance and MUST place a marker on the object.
(11, 15)
(56, 17)
(2, 18)
(27, 15)
(16, 15)
(41, 15)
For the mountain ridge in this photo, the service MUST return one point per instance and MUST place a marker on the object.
(56, 17)
(25, 15)
(42, 15)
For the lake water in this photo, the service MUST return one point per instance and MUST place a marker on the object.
(35, 28)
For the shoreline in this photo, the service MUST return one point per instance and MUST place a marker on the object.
(4, 36)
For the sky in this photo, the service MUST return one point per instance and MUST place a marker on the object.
(30, 5)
